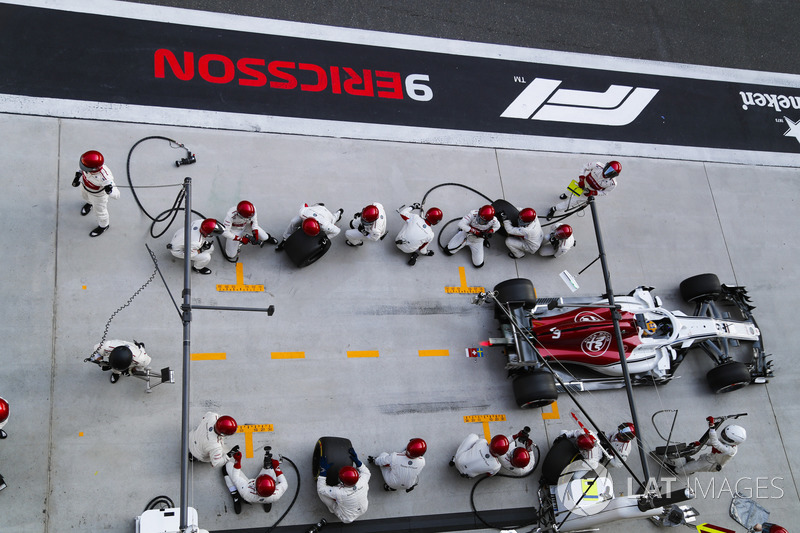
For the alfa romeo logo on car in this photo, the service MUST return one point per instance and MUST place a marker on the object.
(596, 344)
(588, 316)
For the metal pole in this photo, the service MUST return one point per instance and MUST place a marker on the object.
(618, 336)
(187, 319)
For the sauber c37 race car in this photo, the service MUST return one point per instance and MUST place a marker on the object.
(557, 343)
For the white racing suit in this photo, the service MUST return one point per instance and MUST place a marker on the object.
(562, 245)
(235, 226)
(140, 362)
(399, 470)
(472, 233)
(327, 220)
(623, 448)
(204, 443)
(505, 460)
(201, 247)
(591, 457)
(371, 231)
(593, 184)
(247, 486)
(93, 192)
(415, 235)
(347, 503)
(709, 462)
(473, 457)
(523, 239)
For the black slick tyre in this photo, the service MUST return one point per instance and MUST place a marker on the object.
(511, 212)
(561, 453)
(335, 450)
(728, 377)
(304, 250)
(515, 292)
(701, 287)
(536, 388)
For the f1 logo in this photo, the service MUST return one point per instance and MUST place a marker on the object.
(619, 105)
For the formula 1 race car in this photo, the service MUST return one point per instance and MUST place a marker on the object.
(572, 340)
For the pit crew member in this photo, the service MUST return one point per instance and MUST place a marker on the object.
(524, 238)
(518, 460)
(723, 448)
(207, 441)
(475, 456)
(121, 357)
(369, 224)
(475, 229)
(266, 488)
(240, 226)
(401, 470)
(348, 499)
(558, 242)
(201, 244)
(597, 180)
(417, 233)
(325, 221)
(97, 184)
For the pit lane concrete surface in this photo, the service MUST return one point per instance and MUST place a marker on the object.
(360, 345)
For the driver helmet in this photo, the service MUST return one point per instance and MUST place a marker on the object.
(209, 226)
(225, 425)
(526, 216)
(91, 161)
(246, 209)
(4, 412)
(733, 435)
(612, 169)
(416, 448)
(564, 231)
(265, 486)
(348, 475)
(311, 227)
(370, 214)
(626, 432)
(585, 442)
(777, 529)
(520, 457)
(485, 214)
(499, 445)
(120, 358)
(433, 216)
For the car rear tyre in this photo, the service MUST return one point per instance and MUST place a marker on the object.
(304, 250)
(701, 287)
(335, 450)
(728, 377)
(535, 389)
(516, 291)
(561, 453)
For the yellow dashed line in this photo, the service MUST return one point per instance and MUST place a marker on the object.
(288, 355)
(434, 353)
(362, 353)
(220, 356)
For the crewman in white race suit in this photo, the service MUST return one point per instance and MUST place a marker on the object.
(417, 233)
(325, 220)
(239, 224)
(558, 242)
(201, 244)
(588, 445)
(369, 224)
(475, 228)
(207, 441)
(348, 499)
(475, 456)
(622, 441)
(266, 488)
(518, 461)
(526, 236)
(723, 448)
(401, 470)
(120, 357)
(97, 184)
(4, 413)
(597, 180)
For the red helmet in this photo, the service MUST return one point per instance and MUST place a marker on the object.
(527, 215)
(3, 410)
(612, 169)
(246, 209)
(585, 442)
(626, 432)
(433, 216)
(265, 486)
(370, 214)
(777, 529)
(416, 448)
(225, 425)
(564, 231)
(520, 457)
(311, 227)
(348, 475)
(499, 445)
(91, 161)
(486, 213)
(209, 226)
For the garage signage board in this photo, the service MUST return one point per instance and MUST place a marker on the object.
(138, 61)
